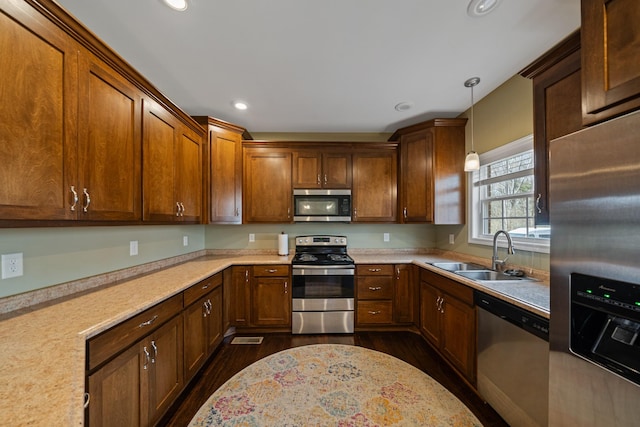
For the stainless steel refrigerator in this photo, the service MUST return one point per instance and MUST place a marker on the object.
(594, 189)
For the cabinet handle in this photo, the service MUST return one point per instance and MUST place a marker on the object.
(246, 276)
(209, 307)
(177, 208)
(205, 309)
(538, 203)
(87, 399)
(286, 286)
(288, 213)
(355, 213)
(237, 212)
(375, 270)
(404, 212)
(75, 198)
(398, 273)
(373, 313)
(182, 209)
(87, 200)
(325, 178)
(205, 286)
(271, 270)
(146, 354)
(155, 352)
(318, 179)
(148, 322)
(377, 288)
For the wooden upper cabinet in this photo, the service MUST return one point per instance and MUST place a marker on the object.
(109, 143)
(374, 193)
(557, 109)
(321, 169)
(432, 182)
(267, 185)
(610, 52)
(172, 168)
(38, 150)
(222, 171)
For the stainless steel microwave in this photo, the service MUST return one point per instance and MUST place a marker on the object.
(319, 205)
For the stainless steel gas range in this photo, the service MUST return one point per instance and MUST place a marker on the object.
(323, 286)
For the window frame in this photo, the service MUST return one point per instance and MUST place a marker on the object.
(474, 210)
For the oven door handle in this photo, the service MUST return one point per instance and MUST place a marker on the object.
(323, 272)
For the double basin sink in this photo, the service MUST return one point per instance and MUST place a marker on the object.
(481, 274)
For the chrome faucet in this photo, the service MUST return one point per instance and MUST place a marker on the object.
(495, 262)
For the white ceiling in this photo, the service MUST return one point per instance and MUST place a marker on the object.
(326, 65)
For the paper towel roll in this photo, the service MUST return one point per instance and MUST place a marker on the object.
(283, 244)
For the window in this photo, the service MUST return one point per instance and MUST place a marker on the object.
(502, 197)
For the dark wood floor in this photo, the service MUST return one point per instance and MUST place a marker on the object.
(410, 347)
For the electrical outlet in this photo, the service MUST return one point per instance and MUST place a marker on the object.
(452, 239)
(12, 265)
(385, 237)
(252, 237)
(133, 248)
(185, 240)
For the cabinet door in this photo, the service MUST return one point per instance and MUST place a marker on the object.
(416, 184)
(404, 300)
(225, 162)
(458, 335)
(109, 142)
(115, 391)
(610, 51)
(195, 337)
(375, 186)
(166, 372)
(158, 168)
(336, 170)
(429, 313)
(239, 296)
(38, 80)
(307, 169)
(188, 177)
(214, 320)
(267, 193)
(271, 301)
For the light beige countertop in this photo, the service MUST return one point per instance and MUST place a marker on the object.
(42, 373)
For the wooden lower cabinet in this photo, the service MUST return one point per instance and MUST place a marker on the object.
(384, 295)
(271, 296)
(203, 324)
(139, 385)
(448, 321)
(238, 297)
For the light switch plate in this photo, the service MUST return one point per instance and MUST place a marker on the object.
(385, 237)
(133, 248)
(452, 239)
(252, 237)
(185, 240)
(12, 265)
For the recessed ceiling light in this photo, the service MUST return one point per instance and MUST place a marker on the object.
(403, 106)
(479, 8)
(239, 105)
(179, 5)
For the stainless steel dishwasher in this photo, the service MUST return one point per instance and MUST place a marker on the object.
(513, 361)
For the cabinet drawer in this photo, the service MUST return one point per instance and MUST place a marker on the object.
(270, 270)
(101, 347)
(375, 312)
(375, 287)
(200, 289)
(374, 270)
(462, 292)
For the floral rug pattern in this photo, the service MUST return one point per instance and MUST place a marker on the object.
(332, 385)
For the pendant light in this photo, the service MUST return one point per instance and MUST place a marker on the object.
(472, 162)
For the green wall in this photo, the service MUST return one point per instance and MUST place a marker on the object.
(57, 255)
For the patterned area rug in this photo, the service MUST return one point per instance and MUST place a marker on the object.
(332, 385)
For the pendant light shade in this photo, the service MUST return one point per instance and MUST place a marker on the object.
(472, 162)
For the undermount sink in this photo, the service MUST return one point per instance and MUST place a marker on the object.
(490, 276)
(458, 266)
